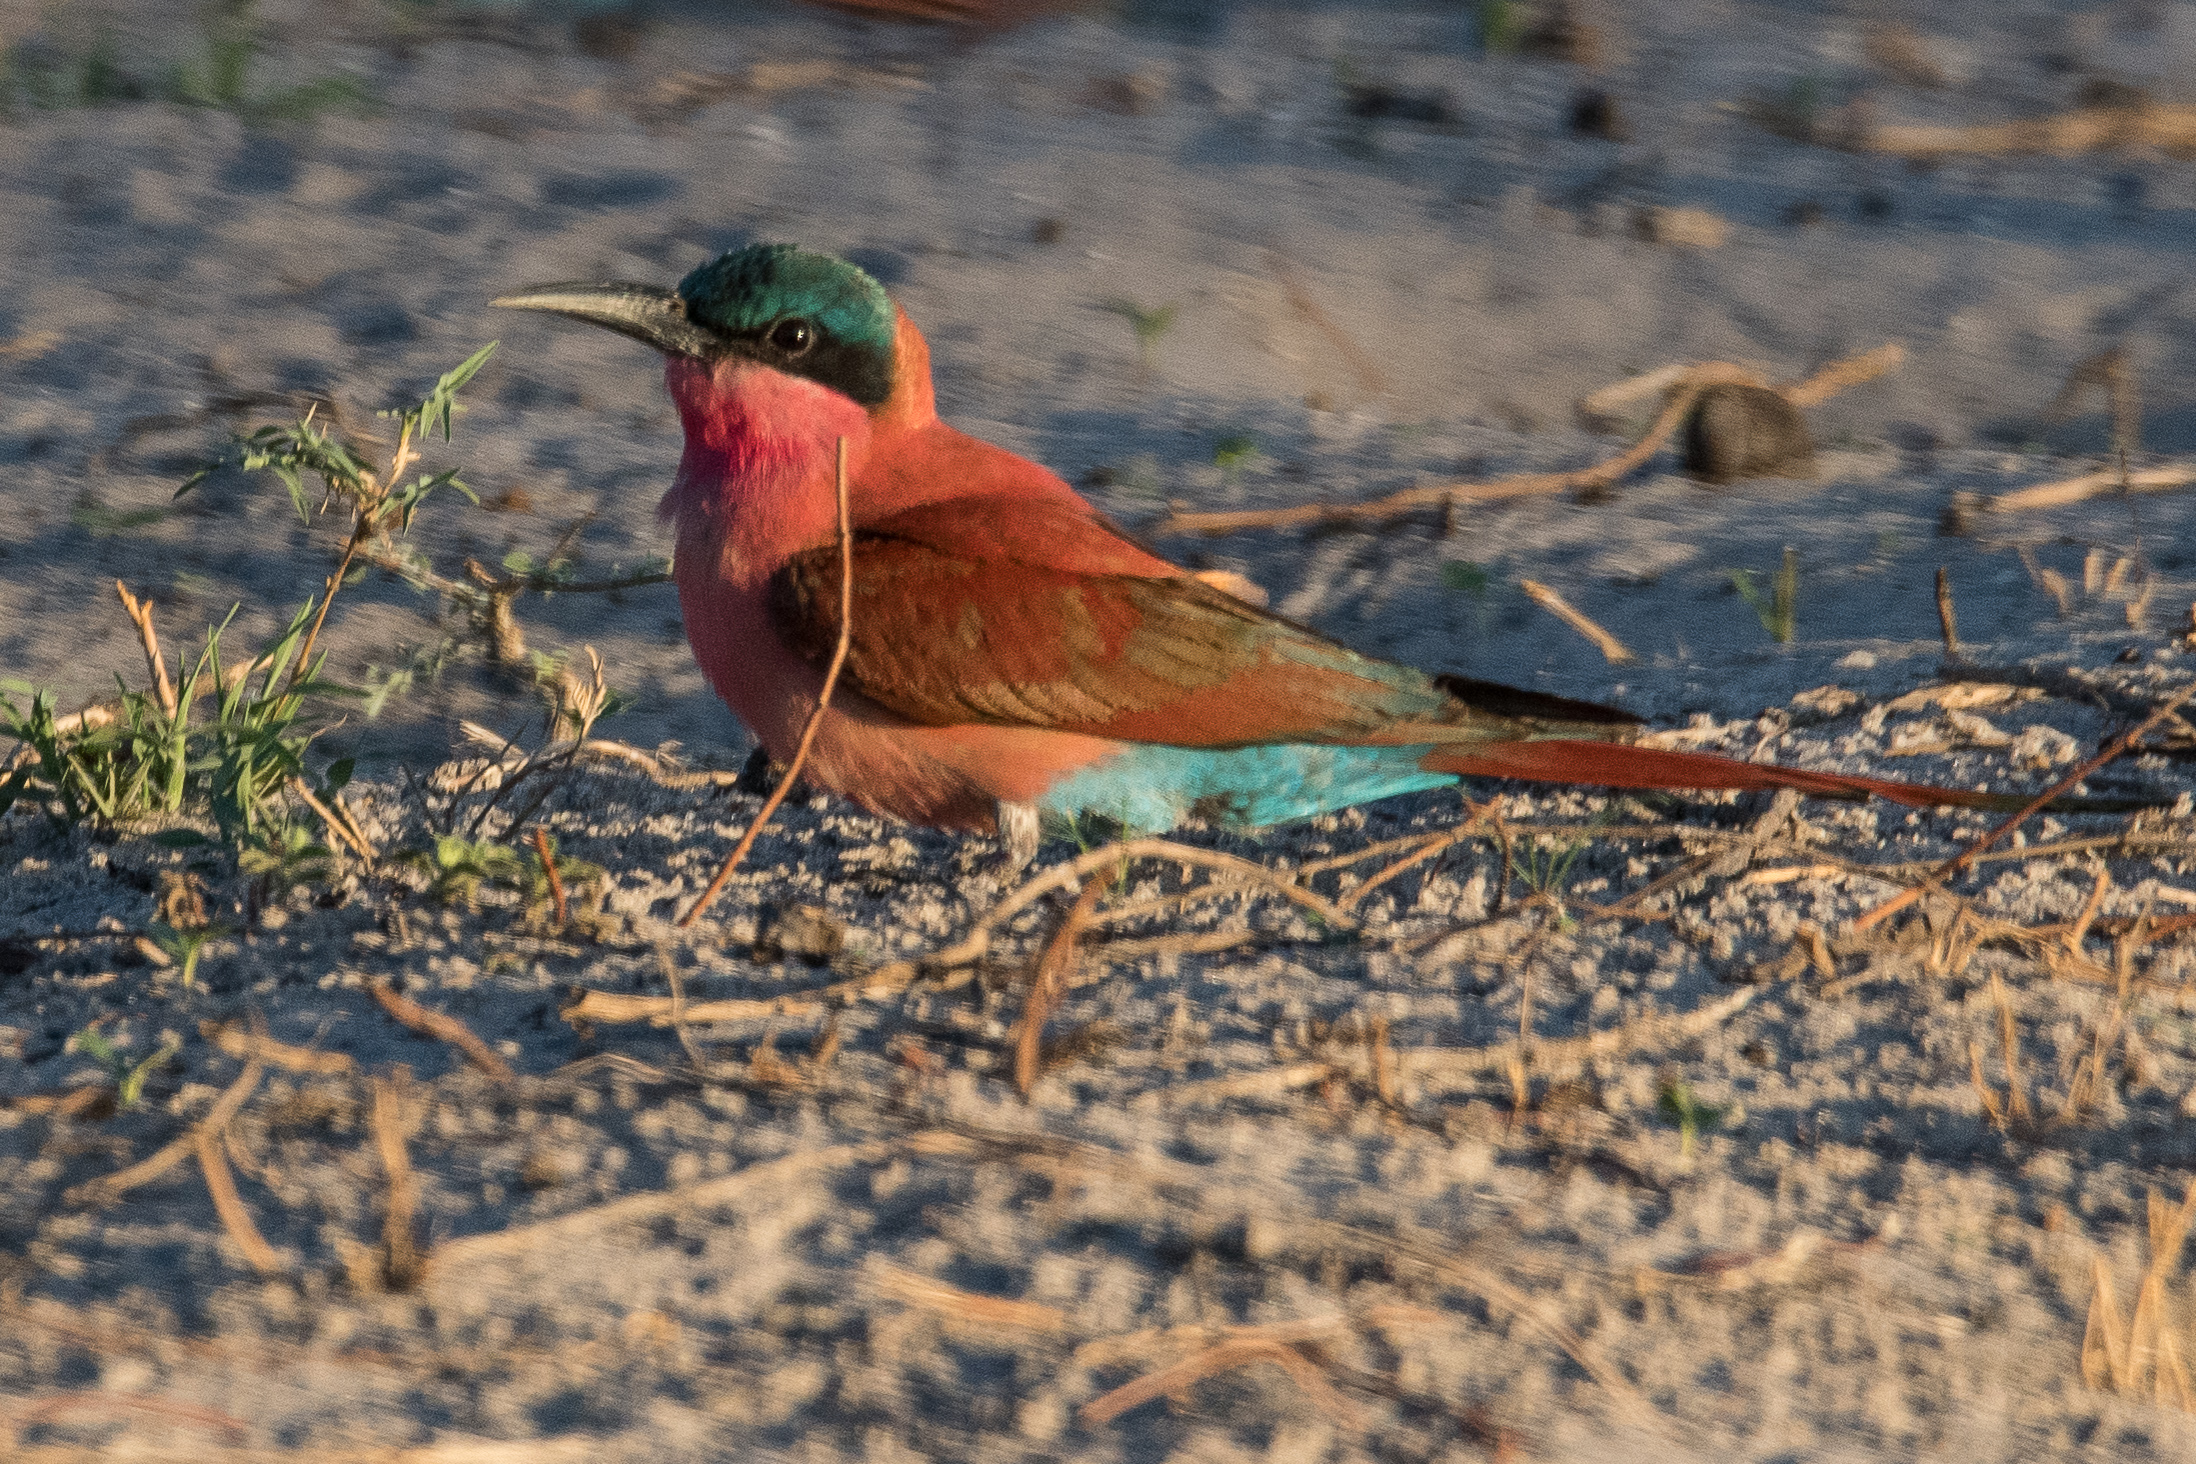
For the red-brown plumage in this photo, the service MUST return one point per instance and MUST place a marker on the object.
(1004, 636)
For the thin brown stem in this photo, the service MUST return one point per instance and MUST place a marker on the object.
(1048, 978)
(549, 869)
(1960, 862)
(339, 828)
(815, 717)
(335, 583)
(362, 529)
(229, 1206)
(141, 616)
(1410, 500)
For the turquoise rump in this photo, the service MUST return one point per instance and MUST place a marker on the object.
(1150, 788)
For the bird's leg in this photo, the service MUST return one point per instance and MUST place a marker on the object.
(1017, 837)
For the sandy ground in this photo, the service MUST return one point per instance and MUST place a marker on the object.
(836, 1230)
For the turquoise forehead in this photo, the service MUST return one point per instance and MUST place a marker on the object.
(751, 288)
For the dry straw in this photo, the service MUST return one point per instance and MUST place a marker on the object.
(2143, 1354)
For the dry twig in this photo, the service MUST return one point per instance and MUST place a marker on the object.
(61, 1405)
(1947, 619)
(2121, 1356)
(2170, 127)
(141, 616)
(344, 831)
(229, 1205)
(1368, 373)
(239, 1042)
(965, 1306)
(815, 716)
(554, 1237)
(549, 869)
(1219, 1358)
(2102, 483)
(443, 1026)
(613, 1007)
(1684, 384)
(971, 947)
(1612, 649)
(1046, 980)
(1961, 861)
(402, 1263)
(167, 1156)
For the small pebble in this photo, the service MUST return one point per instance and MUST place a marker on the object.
(1738, 432)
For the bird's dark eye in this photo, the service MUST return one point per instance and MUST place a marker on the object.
(793, 337)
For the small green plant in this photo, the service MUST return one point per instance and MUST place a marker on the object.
(534, 885)
(224, 740)
(1778, 611)
(384, 684)
(1692, 1117)
(221, 76)
(1149, 323)
(184, 946)
(1466, 578)
(1232, 455)
(128, 1077)
(1797, 112)
(1545, 869)
(1502, 25)
(282, 856)
(456, 867)
(102, 522)
(36, 74)
(153, 753)
(100, 78)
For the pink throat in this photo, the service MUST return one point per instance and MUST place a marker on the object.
(755, 484)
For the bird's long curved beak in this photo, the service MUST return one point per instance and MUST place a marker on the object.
(647, 313)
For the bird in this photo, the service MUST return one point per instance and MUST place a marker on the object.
(1015, 663)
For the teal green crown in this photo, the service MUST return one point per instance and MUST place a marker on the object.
(750, 292)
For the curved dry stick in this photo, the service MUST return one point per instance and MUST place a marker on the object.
(229, 1206)
(1219, 1358)
(549, 868)
(177, 1149)
(141, 616)
(1521, 485)
(1839, 375)
(1045, 983)
(815, 717)
(1684, 387)
(441, 1026)
(1425, 851)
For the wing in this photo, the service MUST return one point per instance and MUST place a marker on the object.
(1009, 612)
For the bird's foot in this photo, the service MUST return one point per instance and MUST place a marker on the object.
(761, 774)
(1018, 835)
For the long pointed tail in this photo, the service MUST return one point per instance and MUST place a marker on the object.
(1618, 765)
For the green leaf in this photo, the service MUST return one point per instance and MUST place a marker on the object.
(435, 410)
(1465, 577)
(339, 773)
(198, 476)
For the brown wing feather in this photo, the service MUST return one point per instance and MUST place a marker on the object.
(944, 639)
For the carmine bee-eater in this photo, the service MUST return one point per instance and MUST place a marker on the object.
(1013, 656)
